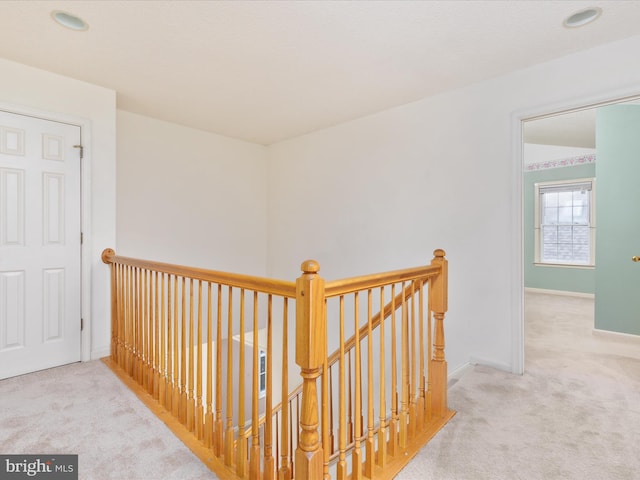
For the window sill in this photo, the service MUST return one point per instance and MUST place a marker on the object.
(564, 265)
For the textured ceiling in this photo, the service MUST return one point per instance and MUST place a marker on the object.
(271, 70)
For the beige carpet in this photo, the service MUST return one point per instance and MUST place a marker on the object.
(85, 409)
(575, 414)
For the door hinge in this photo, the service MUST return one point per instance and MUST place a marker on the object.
(81, 150)
(81, 324)
(81, 238)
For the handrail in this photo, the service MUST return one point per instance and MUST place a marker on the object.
(348, 285)
(258, 284)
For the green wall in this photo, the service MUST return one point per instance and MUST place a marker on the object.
(568, 279)
(617, 305)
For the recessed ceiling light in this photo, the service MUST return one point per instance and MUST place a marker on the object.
(68, 20)
(582, 17)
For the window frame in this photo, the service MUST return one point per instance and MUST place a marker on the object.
(537, 227)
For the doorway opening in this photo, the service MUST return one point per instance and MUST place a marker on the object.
(558, 251)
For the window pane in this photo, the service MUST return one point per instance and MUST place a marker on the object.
(581, 215)
(581, 253)
(565, 234)
(549, 234)
(550, 199)
(581, 235)
(550, 216)
(549, 252)
(581, 198)
(565, 252)
(565, 215)
(565, 198)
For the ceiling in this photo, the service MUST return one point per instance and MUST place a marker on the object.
(265, 71)
(573, 129)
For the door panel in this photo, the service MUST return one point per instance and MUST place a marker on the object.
(39, 244)
(617, 294)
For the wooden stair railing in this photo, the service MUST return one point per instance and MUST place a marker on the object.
(173, 328)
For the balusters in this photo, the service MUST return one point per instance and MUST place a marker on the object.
(130, 323)
(349, 402)
(145, 320)
(412, 368)
(199, 415)
(140, 324)
(342, 414)
(284, 473)
(218, 418)
(190, 366)
(404, 350)
(157, 329)
(428, 401)
(208, 419)
(176, 352)
(357, 452)
(149, 333)
(162, 385)
(254, 454)
(241, 453)
(382, 429)
(421, 390)
(369, 445)
(393, 423)
(332, 445)
(326, 413)
(170, 348)
(183, 355)
(228, 439)
(269, 466)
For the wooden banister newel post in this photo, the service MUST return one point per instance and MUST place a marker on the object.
(438, 300)
(107, 256)
(310, 356)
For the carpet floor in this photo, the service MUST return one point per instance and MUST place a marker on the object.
(575, 414)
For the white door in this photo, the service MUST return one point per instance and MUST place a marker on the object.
(39, 244)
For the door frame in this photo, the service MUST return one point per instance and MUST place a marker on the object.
(85, 211)
(597, 99)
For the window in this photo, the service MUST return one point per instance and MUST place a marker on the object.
(262, 376)
(565, 227)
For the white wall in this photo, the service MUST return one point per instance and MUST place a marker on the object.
(383, 191)
(190, 197)
(38, 91)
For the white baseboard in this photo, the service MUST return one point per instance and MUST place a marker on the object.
(559, 292)
(490, 363)
(460, 371)
(99, 353)
(624, 337)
